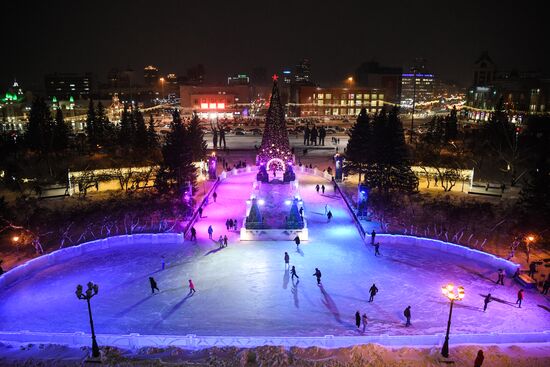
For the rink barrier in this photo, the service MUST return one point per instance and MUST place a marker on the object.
(44, 261)
(192, 341)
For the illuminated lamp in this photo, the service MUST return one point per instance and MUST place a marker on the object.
(204, 106)
(212, 105)
(221, 106)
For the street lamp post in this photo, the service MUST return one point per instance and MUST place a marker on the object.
(162, 86)
(15, 240)
(452, 296)
(90, 292)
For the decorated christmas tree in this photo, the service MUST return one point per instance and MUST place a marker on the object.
(294, 220)
(254, 219)
(275, 151)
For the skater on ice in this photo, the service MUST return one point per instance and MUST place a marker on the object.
(297, 242)
(486, 301)
(191, 287)
(377, 249)
(287, 260)
(293, 273)
(214, 196)
(317, 275)
(373, 290)
(153, 284)
(365, 321)
(210, 231)
(500, 277)
(225, 240)
(200, 212)
(329, 216)
(220, 241)
(323, 189)
(193, 234)
(372, 236)
(357, 319)
(317, 188)
(520, 298)
(407, 314)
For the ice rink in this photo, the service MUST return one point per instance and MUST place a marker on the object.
(244, 289)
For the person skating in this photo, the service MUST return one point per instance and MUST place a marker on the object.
(287, 260)
(357, 319)
(323, 189)
(486, 301)
(407, 314)
(329, 216)
(377, 249)
(479, 359)
(365, 321)
(235, 224)
(297, 242)
(193, 234)
(500, 277)
(546, 285)
(231, 225)
(162, 263)
(200, 212)
(153, 284)
(326, 209)
(191, 287)
(293, 273)
(215, 196)
(220, 241)
(227, 224)
(317, 275)
(520, 298)
(372, 236)
(210, 231)
(532, 269)
(373, 290)
(317, 188)
(301, 211)
(225, 240)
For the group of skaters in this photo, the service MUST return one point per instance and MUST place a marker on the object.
(311, 135)
(328, 212)
(154, 286)
(231, 224)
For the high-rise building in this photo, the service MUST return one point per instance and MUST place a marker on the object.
(151, 75)
(238, 79)
(66, 85)
(416, 86)
(373, 75)
(303, 72)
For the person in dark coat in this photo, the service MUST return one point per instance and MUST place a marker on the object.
(407, 314)
(193, 234)
(301, 211)
(377, 249)
(520, 297)
(373, 290)
(323, 189)
(293, 273)
(486, 301)
(153, 285)
(214, 196)
(200, 212)
(225, 240)
(372, 236)
(532, 269)
(227, 224)
(317, 275)
(287, 260)
(297, 242)
(210, 231)
(479, 359)
(329, 216)
(500, 277)
(357, 319)
(317, 188)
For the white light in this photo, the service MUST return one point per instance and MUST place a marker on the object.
(287, 202)
(261, 201)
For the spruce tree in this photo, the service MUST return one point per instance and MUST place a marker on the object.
(104, 128)
(359, 148)
(39, 133)
(60, 132)
(141, 137)
(152, 138)
(91, 128)
(125, 136)
(177, 164)
(196, 139)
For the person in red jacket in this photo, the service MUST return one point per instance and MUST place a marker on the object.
(479, 359)
(191, 287)
(520, 297)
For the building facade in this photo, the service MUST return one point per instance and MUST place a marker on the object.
(418, 87)
(66, 85)
(338, 102)
(373, 75)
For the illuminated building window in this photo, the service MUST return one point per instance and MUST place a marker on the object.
(357, 111)
(351, 96)
(373, 103)
(204, 106)
(366, 96)
(373, 96)
(380, 96)
(373, 110)
(328, 96)
(335, 111)
(320, 96)
(212, 105)
(343, 102)
(320, 102)
(358, 96)
(351, 102)
(221, 106)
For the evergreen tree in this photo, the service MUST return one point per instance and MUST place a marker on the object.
(60, 132)
(39, 133)
(152, 138)
(177, 164)
(141, 136)
(451, 126)
(104, 128)
(91, 128)
(196, 139)
(359, 149)
(125, 136)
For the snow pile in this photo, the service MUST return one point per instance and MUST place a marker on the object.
(371, 355)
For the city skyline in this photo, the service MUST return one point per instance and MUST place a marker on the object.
(174, 37)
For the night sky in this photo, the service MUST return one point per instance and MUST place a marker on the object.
(234, 36)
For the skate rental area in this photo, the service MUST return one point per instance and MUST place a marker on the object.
(245, 293)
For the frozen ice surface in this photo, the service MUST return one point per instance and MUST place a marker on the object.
(244, 290)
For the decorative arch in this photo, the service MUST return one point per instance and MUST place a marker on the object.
(280, 164)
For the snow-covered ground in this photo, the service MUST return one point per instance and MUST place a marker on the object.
(244, 289)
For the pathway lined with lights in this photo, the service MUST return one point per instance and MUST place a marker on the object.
(243, 290)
